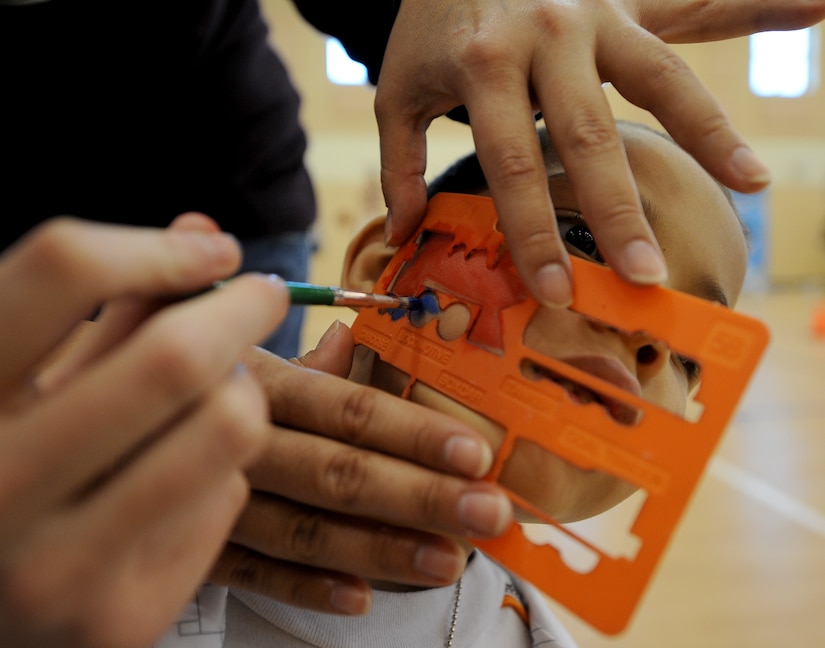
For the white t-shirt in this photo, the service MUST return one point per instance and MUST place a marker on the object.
(496, 609)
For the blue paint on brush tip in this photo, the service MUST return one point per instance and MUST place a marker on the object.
(418, 307)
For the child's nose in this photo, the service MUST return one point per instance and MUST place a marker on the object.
(651, 354)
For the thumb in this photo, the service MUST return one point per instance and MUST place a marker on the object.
(333, 354)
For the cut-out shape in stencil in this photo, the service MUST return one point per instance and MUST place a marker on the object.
(659, 452)
(609, 533)
(574, 554)
(617, 409)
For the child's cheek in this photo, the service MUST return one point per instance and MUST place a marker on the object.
(668, 390)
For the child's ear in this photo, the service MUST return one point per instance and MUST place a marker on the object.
(366, 257)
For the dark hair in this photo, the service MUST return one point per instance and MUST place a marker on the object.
(466, 176)
(463, 176)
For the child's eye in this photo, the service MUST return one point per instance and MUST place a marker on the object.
(575, 233)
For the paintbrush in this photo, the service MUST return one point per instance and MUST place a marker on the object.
(310, 294)
(305, 294)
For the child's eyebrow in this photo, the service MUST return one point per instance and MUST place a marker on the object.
(708, 288)
(651, 213)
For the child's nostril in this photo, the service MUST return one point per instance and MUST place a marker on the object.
(647, 354)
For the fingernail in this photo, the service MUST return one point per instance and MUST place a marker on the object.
(553, 286)
(468, 456)
(219, 245)
(388, 229)
(643, 264)
(275, 280)
(346, 599)
(330, 333)
(436, 562)
(484, 514)
(749, 166)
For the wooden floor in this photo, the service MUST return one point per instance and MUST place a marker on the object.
(746, 567)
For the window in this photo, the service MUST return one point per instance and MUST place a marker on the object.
(784, 63)
(341, 69)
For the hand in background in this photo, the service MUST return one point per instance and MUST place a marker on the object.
(506, 60)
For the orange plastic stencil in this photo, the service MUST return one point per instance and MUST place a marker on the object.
(463, 260)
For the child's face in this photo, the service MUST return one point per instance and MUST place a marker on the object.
(706, 253)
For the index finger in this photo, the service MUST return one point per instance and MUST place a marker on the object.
(368, 418)
(66, 268)
(165, 368)
(514, 168)
(403, 146)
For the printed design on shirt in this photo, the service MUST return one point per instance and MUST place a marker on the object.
(196, 620)
(514, 600)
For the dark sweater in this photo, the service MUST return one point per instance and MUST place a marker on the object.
(135, 112)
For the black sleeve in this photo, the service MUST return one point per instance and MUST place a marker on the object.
(363, 27)
(246, 135)
(120, 112)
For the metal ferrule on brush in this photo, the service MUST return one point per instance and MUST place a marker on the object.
(358, 299)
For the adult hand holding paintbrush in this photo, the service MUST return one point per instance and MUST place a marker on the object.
(122, 458)
(331, 487)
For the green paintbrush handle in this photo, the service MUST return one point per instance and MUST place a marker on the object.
(304, 294)
(309, 294)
